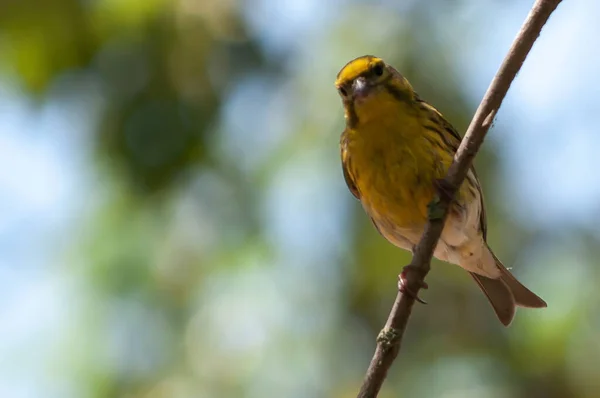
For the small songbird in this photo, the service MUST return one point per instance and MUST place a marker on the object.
(395, 150)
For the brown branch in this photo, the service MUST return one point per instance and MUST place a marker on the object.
(390, 338)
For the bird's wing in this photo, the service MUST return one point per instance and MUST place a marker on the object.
(482, 215)
(455, 142)
(346, 167)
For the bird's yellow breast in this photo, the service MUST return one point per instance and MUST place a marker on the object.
(393, 165)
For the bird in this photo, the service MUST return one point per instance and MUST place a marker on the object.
(395, 150)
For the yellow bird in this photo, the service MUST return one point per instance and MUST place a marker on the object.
(395, 150)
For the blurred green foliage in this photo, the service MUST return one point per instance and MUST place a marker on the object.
(207, 143)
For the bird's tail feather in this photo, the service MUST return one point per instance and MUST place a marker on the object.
(506, 293)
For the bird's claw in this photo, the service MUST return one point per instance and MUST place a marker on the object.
(408, 272)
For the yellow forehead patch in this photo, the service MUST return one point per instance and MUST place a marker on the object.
(355, 68)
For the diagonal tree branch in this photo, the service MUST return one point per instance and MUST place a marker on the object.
(390, 338)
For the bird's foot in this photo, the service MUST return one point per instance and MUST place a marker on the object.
(409, 276)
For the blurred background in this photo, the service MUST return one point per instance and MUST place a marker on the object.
(174, 220)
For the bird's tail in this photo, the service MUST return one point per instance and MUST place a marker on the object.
(506, 293)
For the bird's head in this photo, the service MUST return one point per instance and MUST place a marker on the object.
(368, 82)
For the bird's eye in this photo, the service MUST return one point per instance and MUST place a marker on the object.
(343, 91)
(378, 70)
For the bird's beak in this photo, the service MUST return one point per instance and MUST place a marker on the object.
(360, 88)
